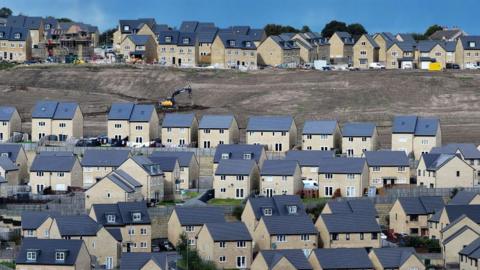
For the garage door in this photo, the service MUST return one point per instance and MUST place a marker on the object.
(425, 64)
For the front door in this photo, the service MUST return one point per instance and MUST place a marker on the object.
(278, 147)
(269, 192)
(109, 263)
(1, 136)
(179, 61)
(129, 248)
(239, 193)
(206, 144)
(182, 142)
(173, 60)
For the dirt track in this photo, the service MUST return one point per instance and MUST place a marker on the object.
(346, 96)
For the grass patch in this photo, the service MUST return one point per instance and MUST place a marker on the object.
(6, 65)
(225, 202)
(169, 202)
(8, 264)
(191, 194)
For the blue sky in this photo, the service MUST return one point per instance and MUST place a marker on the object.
(375, 15)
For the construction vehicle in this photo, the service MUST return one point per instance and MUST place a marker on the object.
(170, 103)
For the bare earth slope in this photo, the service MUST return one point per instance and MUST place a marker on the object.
(346, 96)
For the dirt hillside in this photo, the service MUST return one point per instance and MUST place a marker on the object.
(346, 96)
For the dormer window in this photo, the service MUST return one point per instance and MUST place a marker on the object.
(111, 218)
(247, 156)
(225, 156)
(137, 216)
(248, 44)
(472, 44)
(3, 154)
(292, 209)
(267, 211)
(2, 34)
(47, 26)
(232, 43)
(31, 256)
(16, 36)
(186, 41)
(60, 256)
(126, 28)
(168, 39)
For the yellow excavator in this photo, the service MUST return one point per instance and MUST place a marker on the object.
(170, 103)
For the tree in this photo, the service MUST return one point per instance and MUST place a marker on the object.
(277, 29)
(305, 29)
(64, 20)
(356, 30)
(332, 27)
(237, 212)
(107, 36)
(189, 258)
(5, 12)
(418, 36)
(432, 29)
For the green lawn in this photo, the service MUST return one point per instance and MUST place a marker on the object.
(225, 202)
(8, 264)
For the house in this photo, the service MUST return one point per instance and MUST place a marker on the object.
(341, 48)
(96, 164)
(139, 48)
(57, 171)
(469, 255)
(285, 232)
(466, 151)
(37, 223)
(342, 177)
(384, 40)
(149, 260)
(235, 179)
(355, 258)
(395, 258)
(410, 215)
(456, 236)
(321, 135)
(310, 44)
(176, 48)
(179, 129)
(117, 186)
(452, 214)
(141, 26)
(358, 138)
(308, 162)
(231, 50)
(189, 166)
(9, 171)
(387, 168)
(190, 220)
(136, 122)
(430, 51)
(64, 120)
(279, 51)
(348, 230)
(401, 55)
(131, 218)
(464, 197)
(280, 177)
(277, 133)
(171, 171)
(448, 34)
(32, 25)
(355, 206)
(217, 129)
(281, 259)
(365, 52)
(53, 254)
(415, 135)
(10, 122)
(205, 35)
(239, 152)
(227, 244)
(278, 205)
(467, 51)
(444, 170)
(149, 174)
(15, 44)
(101, 243)
(18, 156)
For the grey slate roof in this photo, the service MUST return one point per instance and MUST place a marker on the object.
(13, 33)
(316, 127)
(167, 164)
(434, 162)
(142, 113)
(47, 248)
(236, 40)
(53, 163)
(419, 126)
(135, 25)
(54, 110)
(269, 123)
(386, 158)
(196, 216)
(184, 157)
(423, 205)
(6, 113)
(457, 233)
(228, 231)
(123, 213)
(116, 233)
(467, 41)
(310, 158)
(152, 168)
(131, 112)
(279, 205)
(468, 150)
(11, 150)
(463, 197)
(285, 42)
(279, 167)
(357, 206)
(455, 211)
(139, 40)
(426, 45)
(372, 41)
(295, 256)
(235, 167)
(120, 111)
(342, 165)
(31, 220)
(237, 151)
(104, 158)
(124, 180)
(136, 260)
(7, 164)
(393, 257)
(406, 37)
(65, 110)
(178, 120)
(472, 250)
(289, 225)
(446, 34)
(346, 37)
(216, 121)
(343, 258)
(364, 129)
(350, 223)
(81, 225)
(21, 21)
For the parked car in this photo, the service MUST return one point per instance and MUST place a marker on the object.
(376, 65)
(88, 143)
(452, 66)
(472, 66)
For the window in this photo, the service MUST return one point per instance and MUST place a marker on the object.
(222, 259)
(232, 43)
(328, 176)
(225, 156)
(118, 125)
(241, 244)
(458, 173)
(137, 216)
(284, 178)
(323, 137)
(292, 209)
(304, 237)
(206, 131)
(363, 52)
(41, 124)
(241, 262)
(143, 231)
(350, 176)
(222, 244)
(401, 169)
(169, 129)
(189, 228)
(60, 174)
(374, 236)
(281, 238)
(350, 139)
(364, 139)
(39, 173)
(221, 131)
(143, 244)
(471, 44)
(138, 128)
(223, 190)
(248, 44)
(351, 192)
(131, 231)
(413, 217)
(126, 28)
(247, 156)
(31, 256)
(334, 236)
(1, 34)
(168, 39)
(186, 40)
(267, 211)
(362, 236)
(424, 141)
(240, 177)
(376, 169)
(46, 233)
(347, 236)
(328, 191)
(16, 36)
(110, 218)
(62, 125)
(60, 256)
(223, 177)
